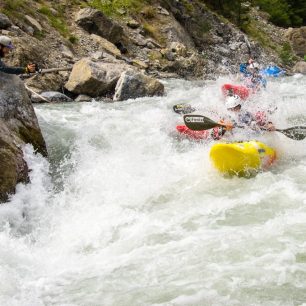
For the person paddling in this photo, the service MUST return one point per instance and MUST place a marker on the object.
(255, 80)
(241, 117)
(5, 48)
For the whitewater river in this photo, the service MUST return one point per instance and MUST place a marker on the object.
(125, 214)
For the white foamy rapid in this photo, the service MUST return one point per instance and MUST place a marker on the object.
(127, 214)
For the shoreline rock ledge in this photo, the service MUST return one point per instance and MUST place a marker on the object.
(18, 126)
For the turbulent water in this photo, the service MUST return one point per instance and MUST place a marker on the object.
(126, 213)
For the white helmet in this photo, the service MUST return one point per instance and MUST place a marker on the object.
(232, 101)
(254, 66)
(6, 42)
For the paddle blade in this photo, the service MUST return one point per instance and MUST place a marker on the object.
(183, 109)
(295, 132)
(199, 123)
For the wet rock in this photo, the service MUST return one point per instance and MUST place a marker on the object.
(95, 22)
(94, 78)
(300, 67)
(5, 22)
(18, 126)
(133, 85)
(50, 96)
(83, 98)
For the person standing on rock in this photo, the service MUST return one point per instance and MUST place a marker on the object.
(5, 47)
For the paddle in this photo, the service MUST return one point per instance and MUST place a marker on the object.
(183, 108)
(200, 123)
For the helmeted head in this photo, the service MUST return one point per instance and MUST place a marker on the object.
(232, 102)
(254, 66)
(250, 61)
(6, 42)
(5, 45)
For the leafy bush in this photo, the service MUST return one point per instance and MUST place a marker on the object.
(73, 39)
(286, 54)
(285, 12)
(57, 22)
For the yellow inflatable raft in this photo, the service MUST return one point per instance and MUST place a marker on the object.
(242, 158)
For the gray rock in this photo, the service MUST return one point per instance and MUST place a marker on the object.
(4, 21)
(133, 85)
(297, 37)
(50, 96)
(94, 78)
(18, 126)
(83, 98)
(163, 11)
(300, 67)
(95, 22)
(139, 40)
(66, 51)
(150, 45)
(33, 23)
(29, 30)
(133, 24)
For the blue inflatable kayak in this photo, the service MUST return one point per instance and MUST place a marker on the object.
(273, 71)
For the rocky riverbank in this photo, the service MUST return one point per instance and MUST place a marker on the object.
(165, 39)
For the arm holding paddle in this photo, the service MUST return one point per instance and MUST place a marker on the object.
(200, 123)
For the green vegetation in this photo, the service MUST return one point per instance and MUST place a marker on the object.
(282, 12)
(73, 39)
(57, 22)
(234, 10)
(112, 7)
(188, 6)
(154, 32)
(16, 8)
(252, 30)
(286, 54)
(285, 12)
(305, 57)
(148, 12)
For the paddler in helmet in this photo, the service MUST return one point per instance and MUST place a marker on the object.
(254, 80)
(240, 117)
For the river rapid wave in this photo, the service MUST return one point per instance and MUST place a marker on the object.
(127, 213)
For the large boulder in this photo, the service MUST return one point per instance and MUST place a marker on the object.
(297, 38)
(133, 85)
(300, 67)
(95, 22)
(18, 126)
(94, 78)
